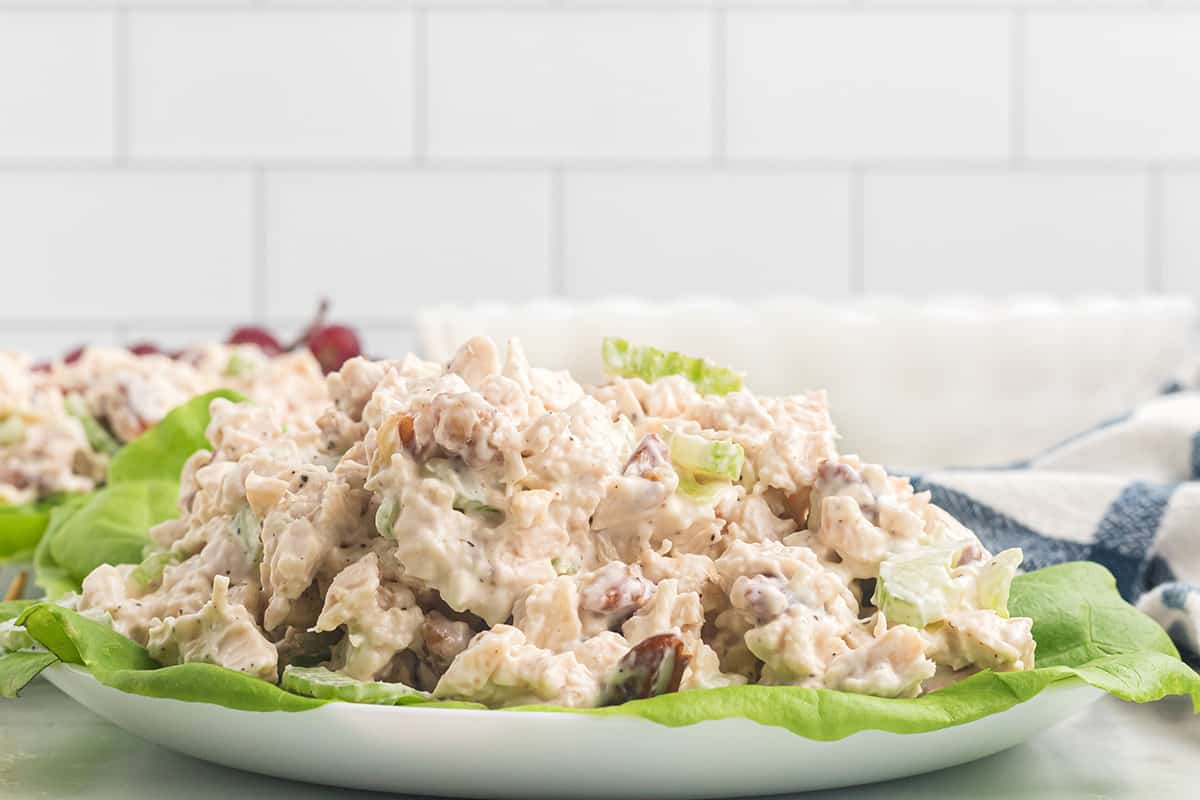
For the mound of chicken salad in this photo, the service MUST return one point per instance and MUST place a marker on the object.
(61, 422)
(494, 532)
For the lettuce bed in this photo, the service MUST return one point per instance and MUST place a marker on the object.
(1083, 629)
(21, 527)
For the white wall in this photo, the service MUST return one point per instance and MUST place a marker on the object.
(169, 167)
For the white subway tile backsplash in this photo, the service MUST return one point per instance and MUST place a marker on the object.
(56, 85)
(270, 85)
(388, 342)
(868, 86)
(581, 84)
(1113, 85)
(1181, 233)
(997, 233)
(425, 151)
(383, 244)
(49, 342)
(670, 233)
(121, 245)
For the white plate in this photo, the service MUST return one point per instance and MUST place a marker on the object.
(527, 754)
(532, 755)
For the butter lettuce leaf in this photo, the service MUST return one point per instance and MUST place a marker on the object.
(21, 527)
(159, 453)
(111, 525)
(11, 609)
(47, 574)
(19, 668)
(1084, 631)
(122, 664)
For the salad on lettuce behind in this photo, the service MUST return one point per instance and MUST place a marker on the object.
(61, 422)
(492, 532)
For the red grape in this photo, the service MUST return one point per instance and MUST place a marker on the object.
(333, 345)
(143, 349)
(254, 334)
(74, 355)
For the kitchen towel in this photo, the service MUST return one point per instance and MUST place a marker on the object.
(1125, 494)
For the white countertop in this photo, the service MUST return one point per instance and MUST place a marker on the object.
(50, 747)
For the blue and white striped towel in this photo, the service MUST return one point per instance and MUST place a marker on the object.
(1125, 494)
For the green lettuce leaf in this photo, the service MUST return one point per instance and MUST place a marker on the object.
(47, 574)
(1083, 628)
(21, 527)
(11, 609)
(122, 664)
(18, 669)
(111, 525)
(159, 453)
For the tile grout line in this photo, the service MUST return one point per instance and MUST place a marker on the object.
(720, 85)
(120, 92)
(1154, 229)
(834, 7)
(857, 227)
(1016, 89)
(186, 164)
(52, 324)
(258, 245)
(557, 232)
(420, 85)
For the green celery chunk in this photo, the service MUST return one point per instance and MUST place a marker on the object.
(707, 458)
(12, 430)
(918, 588)
(995, 580)
(325, 684)
(650, 364)
(98, 437)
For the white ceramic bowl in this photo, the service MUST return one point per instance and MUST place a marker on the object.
(954, 381)
(464, 753)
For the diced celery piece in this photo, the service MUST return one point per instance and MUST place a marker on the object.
(918, 588)
(564, 566)
(249, 529)
(707, 458)
(385, 517)
(12, 430)
(238, 365)
(326, 684)
(995, 580)
(650, 364)
(702, 491)
(151, 569)
(491, 516)
(99, 439)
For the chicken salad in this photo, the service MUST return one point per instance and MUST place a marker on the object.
(492, 532)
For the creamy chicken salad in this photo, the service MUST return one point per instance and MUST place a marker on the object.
(494, 532)
(60, 423)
